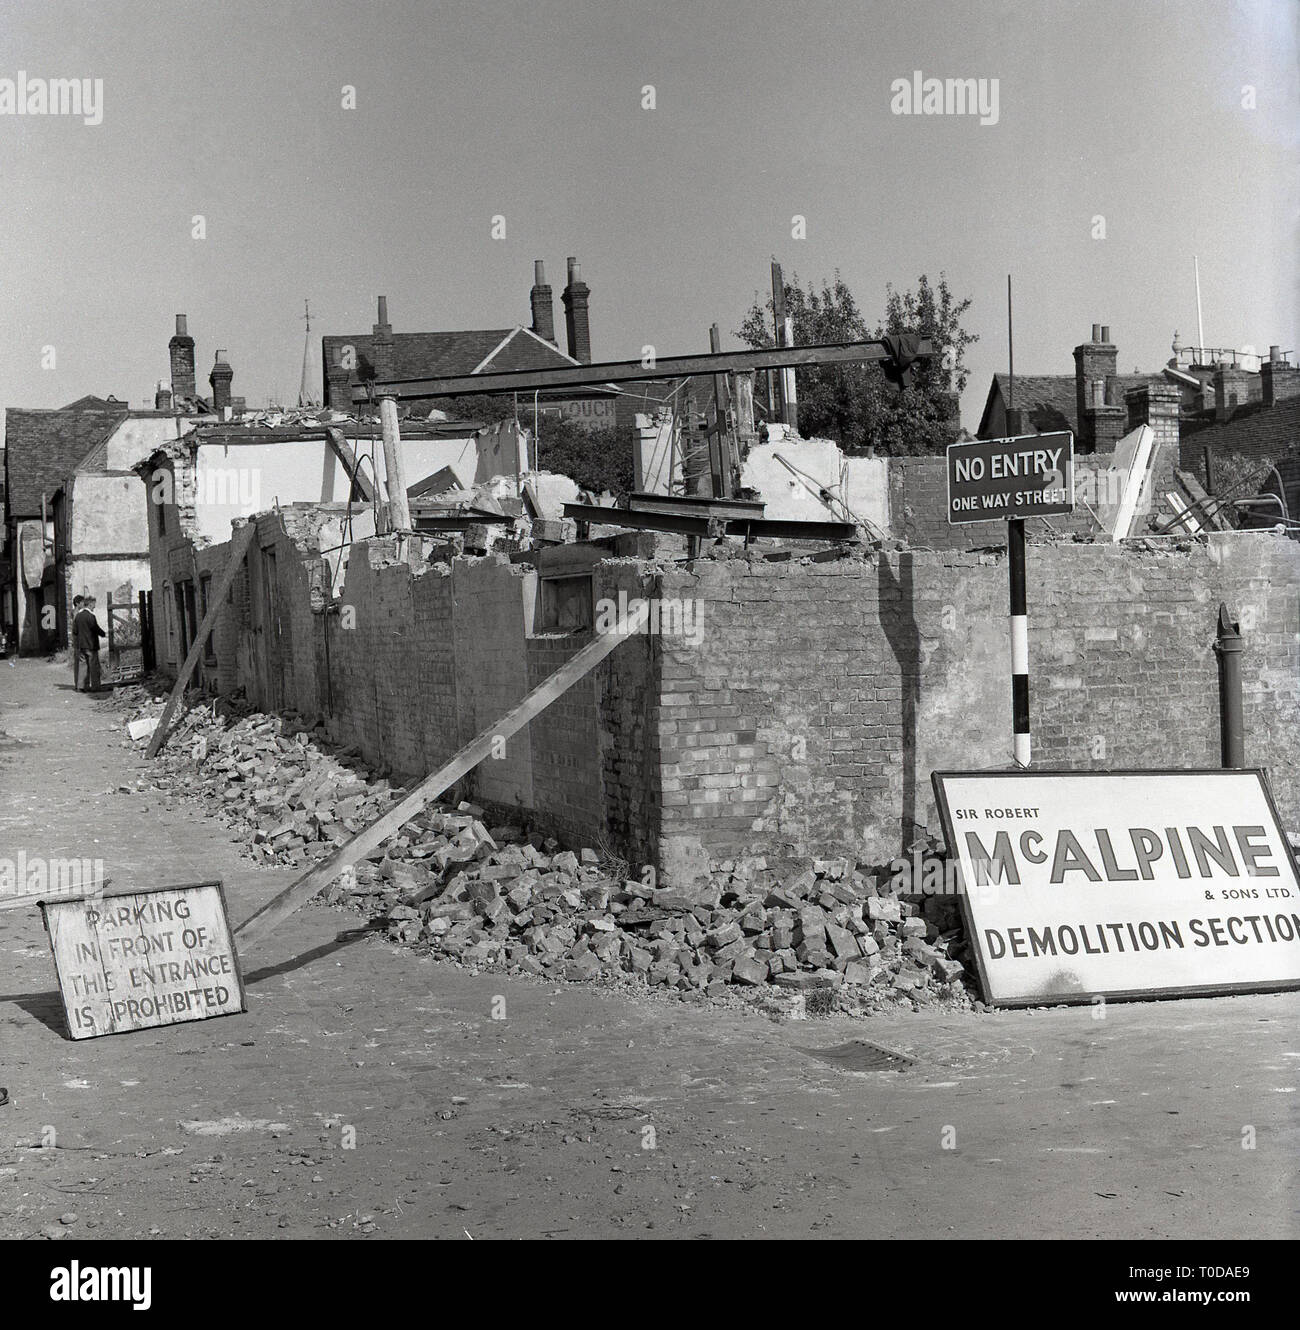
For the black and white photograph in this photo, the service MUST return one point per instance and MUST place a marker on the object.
(649, 621)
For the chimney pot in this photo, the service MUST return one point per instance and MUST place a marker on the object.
(1275, 354)
(181, 330)
(574, 274)
(1105, 332)
(383, 309)
(539, 272)
(1096, 332)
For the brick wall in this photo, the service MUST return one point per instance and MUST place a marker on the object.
(823, 695)
(918, 506)
(818, 696)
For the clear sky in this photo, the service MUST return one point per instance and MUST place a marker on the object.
(1131, 110)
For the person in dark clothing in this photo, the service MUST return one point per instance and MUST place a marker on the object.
(77, 602)
(86, 633)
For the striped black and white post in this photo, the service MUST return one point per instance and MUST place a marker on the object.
(1019, 643)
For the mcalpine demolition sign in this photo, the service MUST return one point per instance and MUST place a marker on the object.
(1079, 885)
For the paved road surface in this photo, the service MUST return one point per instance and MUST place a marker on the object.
(586, 1112)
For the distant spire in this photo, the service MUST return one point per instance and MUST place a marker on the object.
(305, 396)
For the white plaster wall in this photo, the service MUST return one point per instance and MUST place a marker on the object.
(865, 481)
(109, 515)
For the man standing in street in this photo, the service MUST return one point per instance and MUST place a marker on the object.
(86, 633)
(77, 602)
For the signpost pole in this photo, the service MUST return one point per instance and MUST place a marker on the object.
(1019, 642)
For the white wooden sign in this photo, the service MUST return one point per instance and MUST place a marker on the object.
(1083, 885)
(130, 960)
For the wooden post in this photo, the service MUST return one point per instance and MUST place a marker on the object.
(238, 548)
(278, 908)
(776, 378)
(342, 449)
(399, 514)
(722, 410)
(784, 327)
(1020, 742)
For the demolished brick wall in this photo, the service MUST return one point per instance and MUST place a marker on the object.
(807, 717)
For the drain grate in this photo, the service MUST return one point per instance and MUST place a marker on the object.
(860, 1055)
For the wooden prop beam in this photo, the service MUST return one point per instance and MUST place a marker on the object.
(238, 548)
(342, 449)
(278, 908)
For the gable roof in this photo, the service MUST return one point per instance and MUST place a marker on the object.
(43, 448)
(1047, 401)
(92, 403)
(443, 354)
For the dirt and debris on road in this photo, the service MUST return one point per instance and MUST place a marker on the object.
(835, 935)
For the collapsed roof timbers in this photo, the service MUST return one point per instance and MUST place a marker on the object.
(629, 371)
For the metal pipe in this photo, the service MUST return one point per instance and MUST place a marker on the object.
(1232, 734)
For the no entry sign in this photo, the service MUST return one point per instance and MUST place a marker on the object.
(993, 480)
(1079, 885)
(134, 959)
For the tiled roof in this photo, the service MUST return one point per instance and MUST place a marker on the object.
(1262, 432)
(43, 448)
(1048, 400)
(441, 354)
(92, 403)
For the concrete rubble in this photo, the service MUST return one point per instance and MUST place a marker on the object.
(836, 935)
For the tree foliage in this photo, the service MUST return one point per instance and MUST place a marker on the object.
(854, 404)
(598, 459)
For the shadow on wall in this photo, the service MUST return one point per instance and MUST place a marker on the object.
(898, 621)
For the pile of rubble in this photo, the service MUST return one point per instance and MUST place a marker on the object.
(836, 934)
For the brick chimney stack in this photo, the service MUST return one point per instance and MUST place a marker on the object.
(1278, 379)
(1100, 422)
(220, 379)
(543, 310)
(1232, 388)
(381, 346)
(1157, 404)
(181, 349)
(575, 297)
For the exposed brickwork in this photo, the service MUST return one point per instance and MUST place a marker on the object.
(1278, 382)
(918, 499)
(823, 695)
(807, 714)
(1157, 405)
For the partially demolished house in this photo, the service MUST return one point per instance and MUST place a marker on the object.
(821, 640)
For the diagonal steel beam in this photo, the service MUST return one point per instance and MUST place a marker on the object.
(631, 371)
